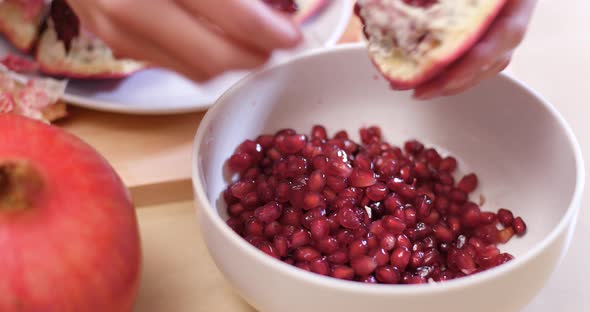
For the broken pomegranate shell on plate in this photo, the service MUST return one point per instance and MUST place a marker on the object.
(411, 41)
(66, 49)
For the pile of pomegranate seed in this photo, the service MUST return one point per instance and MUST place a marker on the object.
(368, 212)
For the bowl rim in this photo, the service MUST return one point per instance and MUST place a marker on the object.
(209, 211)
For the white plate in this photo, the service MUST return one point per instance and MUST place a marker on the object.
(158, 91)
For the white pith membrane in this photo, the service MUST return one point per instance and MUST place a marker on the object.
(36, 98)
(20, 24)
(407, 41)
(88, 56)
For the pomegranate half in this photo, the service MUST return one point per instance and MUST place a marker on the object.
(68, 230)
(411, 41)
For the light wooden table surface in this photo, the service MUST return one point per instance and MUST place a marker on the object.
(154, 153)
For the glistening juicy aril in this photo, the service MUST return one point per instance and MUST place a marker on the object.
(369, 212)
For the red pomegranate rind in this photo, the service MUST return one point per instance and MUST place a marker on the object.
(19, 64)
(435, 66)
(340, 212)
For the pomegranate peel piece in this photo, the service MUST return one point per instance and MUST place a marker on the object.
(410, 42)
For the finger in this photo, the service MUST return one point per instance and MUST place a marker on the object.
(252, 23)
(503, 36)
(134, 47)
(492, 71)
(184, 38)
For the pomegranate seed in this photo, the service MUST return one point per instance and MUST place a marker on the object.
(464, 262)
(441, 204)
(239, 162)
(283, 191)
(363, 265)
(327, 245)
(471, 215)
(410, 217)
(265, 141)
(393, 202)
(376, 192)
(458, 196)
(280, 244)
(362, 161)
(311, 215)
(267, 248)
(269, 212)
(250, 201)
(432, 218)
(319, 162)
(306, 253)
(519, 226)
(387, 242)
(303, 266)
(431, 257)
(403, 241)
(319, 132)
(400, 258)
(272, 229)
(247, 215)
(317, 181)
(442, 233)
(236, 209)
(235, 224)
(503, 258)
(487, 217)
(342, 272)
(320, 228)
(393, 224)
(505, 235)
(320, 266)
(362, 178)
(454, 224)
(341, 135)
(387, 274)
(348, 218)
(432, 157)
(369, 279)
(423, 205)
(336, 183)
(376, 227)
(414, 280)
(241, 188)
(288, 230)
(300, 238)
(291, 144)
(338, 257)
(313, 200)
(380, 255)
(505, 217)
(339, 168)
(413, 147)
(416, 259)
(448, 164)
(468, 183)
(358, 247)
(477, 243)
(254, 228)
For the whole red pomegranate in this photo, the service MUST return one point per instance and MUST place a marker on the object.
(69, 239)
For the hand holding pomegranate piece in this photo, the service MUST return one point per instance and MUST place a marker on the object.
(442, 47)
(488, 57)
(199, 39)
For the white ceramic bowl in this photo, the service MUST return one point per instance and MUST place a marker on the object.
(525, 155)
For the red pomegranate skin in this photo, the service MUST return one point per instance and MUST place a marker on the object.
(76, 247)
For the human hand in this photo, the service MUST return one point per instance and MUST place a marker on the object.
(197, 38)
(488, 57)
